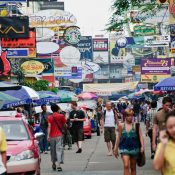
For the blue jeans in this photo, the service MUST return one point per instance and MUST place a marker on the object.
(43, 144)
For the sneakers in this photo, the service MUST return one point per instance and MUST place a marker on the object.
(109, 154)
(54, 166)
(79, 150)
(59, 169)
(45, 152)
(152, 156)
(70, 148)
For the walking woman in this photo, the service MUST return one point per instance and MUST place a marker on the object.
(165, 155)
(128, 143)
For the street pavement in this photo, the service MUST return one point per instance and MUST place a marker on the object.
(94, 161)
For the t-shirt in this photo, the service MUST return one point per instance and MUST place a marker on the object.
(109, 119)
(77, 114)
(169, 158)
(61, 121)
(3, 147)
(150, 116)
(159, 119)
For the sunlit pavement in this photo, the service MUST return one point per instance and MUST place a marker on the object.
(94, 161)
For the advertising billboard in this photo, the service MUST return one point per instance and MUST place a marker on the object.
(153, 70)
(68, 72)
(85, 47)
(14, 27)
(100, 50)
(20, 42)
(52, 5)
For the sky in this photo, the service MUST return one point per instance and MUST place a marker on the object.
(92, 15)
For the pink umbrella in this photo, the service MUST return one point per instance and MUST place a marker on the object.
(87, 96)
(142, 91)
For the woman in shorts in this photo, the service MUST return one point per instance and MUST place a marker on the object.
(128, 143)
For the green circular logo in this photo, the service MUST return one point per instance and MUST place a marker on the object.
(72, 35)
(155, 78)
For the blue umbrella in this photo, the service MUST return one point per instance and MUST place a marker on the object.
(167, 84)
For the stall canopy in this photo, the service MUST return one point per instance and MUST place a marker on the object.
(167, 84)
(7, 86)
(109, 88)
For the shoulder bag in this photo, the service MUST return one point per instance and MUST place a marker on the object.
(141, 159)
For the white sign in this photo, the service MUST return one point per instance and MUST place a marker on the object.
(101, 57)
(46, 47)
(52, 18)
(157, 41)
(43, 34)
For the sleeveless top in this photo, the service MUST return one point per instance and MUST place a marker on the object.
(129, 142)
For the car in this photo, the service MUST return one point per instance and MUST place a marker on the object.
(87, 128)
(23, 155)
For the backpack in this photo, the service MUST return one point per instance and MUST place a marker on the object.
(114, 115)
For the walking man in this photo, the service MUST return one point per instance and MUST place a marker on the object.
(77, 117)
(110, 120)
(44, 126)
(3, 156)
(56, 123)
(149, 123)
(159, 119)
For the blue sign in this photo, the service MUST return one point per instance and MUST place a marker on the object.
(13, 53)
(85, 47)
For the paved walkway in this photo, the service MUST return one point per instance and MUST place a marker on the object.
(94, 161)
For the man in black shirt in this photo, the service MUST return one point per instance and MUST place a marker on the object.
(77, 117)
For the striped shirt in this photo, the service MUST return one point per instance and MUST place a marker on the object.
(150, 116)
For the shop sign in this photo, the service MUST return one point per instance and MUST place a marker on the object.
(153, 78)
(72, 35)
(52, 18)
(52, 5)
(100, 44)
(32, 67)
(144, 30)
(21, 53)
(14, 27)
(21, 42)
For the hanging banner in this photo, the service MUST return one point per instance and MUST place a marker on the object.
(14, 27)
(21, 53)
(21, 42)
(85, 47)
(4, 64)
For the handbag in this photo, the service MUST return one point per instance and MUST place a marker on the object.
(141, 159)
(63, 130)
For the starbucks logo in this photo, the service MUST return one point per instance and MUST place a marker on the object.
(72, 35)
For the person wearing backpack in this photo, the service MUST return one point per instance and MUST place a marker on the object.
(110, 120)
(44, 126)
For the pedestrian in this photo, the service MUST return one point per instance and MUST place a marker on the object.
(56, 123)
(44, 126)
(159, 119)
(128, 143)
(110, 123)
(149, 123)
(77, 117)
(164, 160)
(136, 109)
(3, 154)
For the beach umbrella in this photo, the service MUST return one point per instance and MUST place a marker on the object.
(87, 96)
(25, 93)
(167, 84)
(67, 96)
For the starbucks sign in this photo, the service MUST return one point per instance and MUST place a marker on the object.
(72, 35)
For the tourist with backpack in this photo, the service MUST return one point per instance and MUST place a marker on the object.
(44, 126)
(110, 120)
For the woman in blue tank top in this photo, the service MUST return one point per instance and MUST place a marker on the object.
(128, 143)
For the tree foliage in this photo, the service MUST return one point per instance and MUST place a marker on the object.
(121, 7)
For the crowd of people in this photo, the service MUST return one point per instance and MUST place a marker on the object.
(122, 125)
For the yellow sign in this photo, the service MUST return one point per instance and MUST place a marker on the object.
(153, 78)
(32, 67)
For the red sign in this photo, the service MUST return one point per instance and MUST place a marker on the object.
(20, 43)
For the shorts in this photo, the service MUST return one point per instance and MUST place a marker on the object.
(109, 134)
(78, 134)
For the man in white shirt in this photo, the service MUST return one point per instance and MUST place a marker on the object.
(110, 120)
